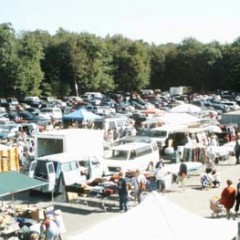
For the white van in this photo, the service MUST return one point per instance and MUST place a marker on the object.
(114, 123)
(160, 134)
(131, 156)
(64, 169)
(50, 113)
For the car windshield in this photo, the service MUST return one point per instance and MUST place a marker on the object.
(46, 110)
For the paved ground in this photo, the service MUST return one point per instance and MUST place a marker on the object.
(78, 217)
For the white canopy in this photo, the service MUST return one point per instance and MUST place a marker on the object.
(186, 108)
(178, 118)
(158, 218)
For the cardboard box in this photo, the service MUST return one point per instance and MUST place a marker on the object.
(37, 214)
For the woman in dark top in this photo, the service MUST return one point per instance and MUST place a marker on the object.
(183, 171)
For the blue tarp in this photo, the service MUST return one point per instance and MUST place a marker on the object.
(81, 115)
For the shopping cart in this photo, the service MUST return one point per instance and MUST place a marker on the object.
(216, 207)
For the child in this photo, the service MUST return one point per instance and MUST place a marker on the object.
(216, 178)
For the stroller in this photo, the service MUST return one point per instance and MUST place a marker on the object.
(216, 207)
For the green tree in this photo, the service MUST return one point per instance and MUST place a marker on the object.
(131, 63)
(30, 75)
(8, 59)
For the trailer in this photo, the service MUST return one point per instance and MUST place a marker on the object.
(180, 90)
(231, 117)
(81, 141)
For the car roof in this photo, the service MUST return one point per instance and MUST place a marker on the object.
(61, 157)
(130, 146)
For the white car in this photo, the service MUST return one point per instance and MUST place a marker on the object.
(231, 104)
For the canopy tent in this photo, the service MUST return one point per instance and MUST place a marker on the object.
(186, 108)
(153, 111)
(81, 115)
(213, 129)
(13, 182)
(178, 118)
(158, 218)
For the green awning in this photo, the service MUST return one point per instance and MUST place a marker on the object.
(13, 182)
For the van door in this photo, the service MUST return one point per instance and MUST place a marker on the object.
(71, 173)
(32, 169)
(95, 167)
(51, 176)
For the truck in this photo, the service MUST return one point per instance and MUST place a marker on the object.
(180, 90)
(79, 141)
(61, 155)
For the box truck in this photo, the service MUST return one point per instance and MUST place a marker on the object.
(80, 141)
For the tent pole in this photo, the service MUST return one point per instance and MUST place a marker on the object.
(52, 197)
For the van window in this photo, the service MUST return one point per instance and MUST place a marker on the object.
(51, 168)
(159, 133)
(74, 165)
(120, 155)
(143, 151)
(41, 169)
(67, 167)
(133, 155)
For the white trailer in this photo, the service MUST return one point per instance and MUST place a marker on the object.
(85, 142)
(179, 90)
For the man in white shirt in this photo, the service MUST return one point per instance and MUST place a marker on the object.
(160, 173)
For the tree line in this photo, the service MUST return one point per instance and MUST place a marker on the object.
(67, 63)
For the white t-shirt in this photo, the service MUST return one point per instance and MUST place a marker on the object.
(160, 173)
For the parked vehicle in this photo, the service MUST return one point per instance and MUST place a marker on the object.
(51, 113)
(79, 141)
(93, 167)
(58, 170)
(131, 156)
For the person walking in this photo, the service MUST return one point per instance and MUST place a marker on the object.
(160, 173)
(182, 173)
(141, 185)
(122, 192)
(237, 150)
(228, 198)
(237, 198)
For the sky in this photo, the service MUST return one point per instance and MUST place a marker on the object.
(153, 21)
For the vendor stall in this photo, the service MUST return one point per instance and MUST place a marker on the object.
(13, 182)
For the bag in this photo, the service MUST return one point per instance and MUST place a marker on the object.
(142, 186)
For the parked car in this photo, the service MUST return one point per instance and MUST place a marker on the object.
(54, 113)
(4, 102)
